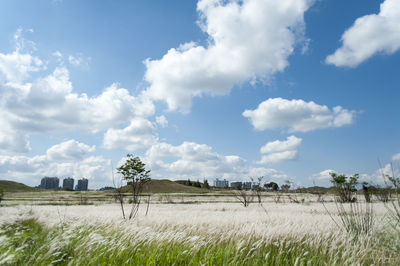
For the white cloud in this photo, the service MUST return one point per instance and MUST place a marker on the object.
(323, 175)
(374, 178)
(291, 143)
(12, 140)
(297, 115)
(380, 176)
(192, 160)
(57, 54)
(139, 134)
(280, 151)
(16, 67)
(248, 40)
(268, 173)
(162, 121)
(79, 60)
(29, 170)
(198, 161)
(49, 104)
(370, 34)
(69, 151)
(396, 157)
(278, 157)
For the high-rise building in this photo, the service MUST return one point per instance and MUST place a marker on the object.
(221, 183)
(237, 184)
(49, 182)
(68, 183)
(82, 184)
(247, 185)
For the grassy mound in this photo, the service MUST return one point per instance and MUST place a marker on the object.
(11, 186)
(167, 186)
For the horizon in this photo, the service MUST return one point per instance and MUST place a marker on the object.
(290, 90)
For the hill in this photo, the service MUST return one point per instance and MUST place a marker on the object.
(167, 186)
(314, 190)
(11, 186)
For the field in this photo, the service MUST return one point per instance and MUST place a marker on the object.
(70, 228)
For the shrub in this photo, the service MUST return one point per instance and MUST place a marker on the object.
(345, 186)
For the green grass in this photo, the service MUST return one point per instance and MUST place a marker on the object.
(28, 242)
(11, 186)
(167, 186)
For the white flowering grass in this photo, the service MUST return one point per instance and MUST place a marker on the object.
(210, 233)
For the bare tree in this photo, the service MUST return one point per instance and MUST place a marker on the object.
(243, 196)
(118, 195)
(318, 192)
(257, 188)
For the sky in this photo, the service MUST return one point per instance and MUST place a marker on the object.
(289, 89)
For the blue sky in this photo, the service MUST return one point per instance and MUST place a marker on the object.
(290, 90)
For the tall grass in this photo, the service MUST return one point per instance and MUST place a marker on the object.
(29, 242)
(393, 205)
(208, 234)
(356, 218)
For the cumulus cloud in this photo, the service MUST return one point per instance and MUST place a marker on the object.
(369, 35)
(16, 67)
(79, 60)
(139, 134)
(192, 160)
(69, 150)
(374, 178)
(55, 162)
(280, 151)
(323, 175)
(291, 143)
(198, 161)
(297, 115)
(278, 157)
(162, 121)
(380, 176)
(11, 140)
(248, 41)
(268, 173)
(49, 103)
(396, 157)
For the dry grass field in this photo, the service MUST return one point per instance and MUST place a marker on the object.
(192, 229)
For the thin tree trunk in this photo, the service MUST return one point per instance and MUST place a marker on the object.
(148, 203)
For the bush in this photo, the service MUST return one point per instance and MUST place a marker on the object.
(345, 186)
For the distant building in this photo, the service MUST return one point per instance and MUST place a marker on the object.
(236, 185)
(247, 185)
(49, 182)
(82, 185)
(221, 183)
(106, 188)
(68, 183)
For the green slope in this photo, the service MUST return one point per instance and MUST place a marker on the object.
(167, 186)
(11, 186)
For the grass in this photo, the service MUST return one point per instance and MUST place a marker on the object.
(195, 234)
(11, 186)
(356, 218)
(167, 186)
(28, 242)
